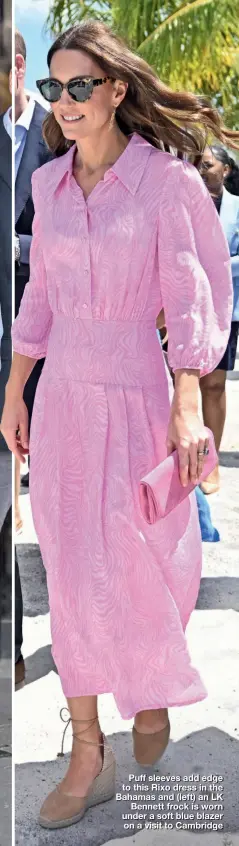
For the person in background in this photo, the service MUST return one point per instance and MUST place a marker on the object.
(218, 169)
(231, 182)
(30, 153)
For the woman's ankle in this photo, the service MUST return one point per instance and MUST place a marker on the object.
(151, 719)
(85, 765)
(89, 732)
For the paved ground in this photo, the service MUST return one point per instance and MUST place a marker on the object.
(5, 654)
(5, 554)
(204, 736)
(5, 484)
(5, 753)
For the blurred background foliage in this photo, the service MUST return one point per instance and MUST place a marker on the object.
(192, 44)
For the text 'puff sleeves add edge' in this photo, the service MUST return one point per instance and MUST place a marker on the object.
(194, 272)
(31, 329)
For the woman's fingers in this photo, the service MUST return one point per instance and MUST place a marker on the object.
(187, 435)
(170, 446)
(183, 459)
(10, 438)
(13, 443)
(200, 456)
(17, 441)
(19, 454)
(23, 429)
(20, 449)
(193, 462)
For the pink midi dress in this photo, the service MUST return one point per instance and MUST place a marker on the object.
(121, 592)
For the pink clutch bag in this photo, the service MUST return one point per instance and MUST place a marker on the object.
(161, 490)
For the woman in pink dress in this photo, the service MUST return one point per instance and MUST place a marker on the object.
(122, 229)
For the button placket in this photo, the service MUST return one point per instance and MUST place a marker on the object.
(87, 292)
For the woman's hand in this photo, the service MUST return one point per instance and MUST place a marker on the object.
(187, 434)
(14, 426)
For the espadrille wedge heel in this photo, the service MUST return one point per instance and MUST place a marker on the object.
(62, 809)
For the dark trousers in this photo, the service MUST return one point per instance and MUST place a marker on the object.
(18, 612)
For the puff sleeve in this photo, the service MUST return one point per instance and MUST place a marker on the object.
(194, 272)
(31, 329)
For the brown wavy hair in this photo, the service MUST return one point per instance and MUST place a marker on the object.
(166, 118)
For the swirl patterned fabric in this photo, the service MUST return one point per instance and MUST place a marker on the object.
(121, 592)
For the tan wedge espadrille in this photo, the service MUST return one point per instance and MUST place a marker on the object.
(62, 809)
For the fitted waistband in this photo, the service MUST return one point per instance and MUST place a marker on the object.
(112, 352)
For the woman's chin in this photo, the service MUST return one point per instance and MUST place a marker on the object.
(72, 133)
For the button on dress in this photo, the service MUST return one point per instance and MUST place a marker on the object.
(121, 592)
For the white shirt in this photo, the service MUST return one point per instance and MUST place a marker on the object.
(22, 126)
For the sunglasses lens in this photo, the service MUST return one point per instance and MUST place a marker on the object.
(80, 90)
(50, 90)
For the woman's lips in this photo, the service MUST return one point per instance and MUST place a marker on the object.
(73, 119)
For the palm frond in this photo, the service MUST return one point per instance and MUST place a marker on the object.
(185, 34)
(66, 13)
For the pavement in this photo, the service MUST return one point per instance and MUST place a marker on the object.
(204, 736)
(5, 652)
(5, 484)
(5, 752)
(5, 555)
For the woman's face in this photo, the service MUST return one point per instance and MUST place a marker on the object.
(92, 115)
(213, 173)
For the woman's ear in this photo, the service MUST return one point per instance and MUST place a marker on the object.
(120, 90)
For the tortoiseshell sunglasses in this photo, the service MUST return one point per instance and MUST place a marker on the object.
(79, 89)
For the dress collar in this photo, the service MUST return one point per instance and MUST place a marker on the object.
(128, 168)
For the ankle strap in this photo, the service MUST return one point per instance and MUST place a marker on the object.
(78, 735)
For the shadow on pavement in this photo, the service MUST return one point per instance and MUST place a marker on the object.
(205, 752)
(32, 573)
(221, 593)
(24, 491)
(229, 459)
(39, 664)
(233, 375)
(5, 753)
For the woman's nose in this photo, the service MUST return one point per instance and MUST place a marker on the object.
(65, 98)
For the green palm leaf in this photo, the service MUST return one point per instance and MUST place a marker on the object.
(64, 13)
(191, 39)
